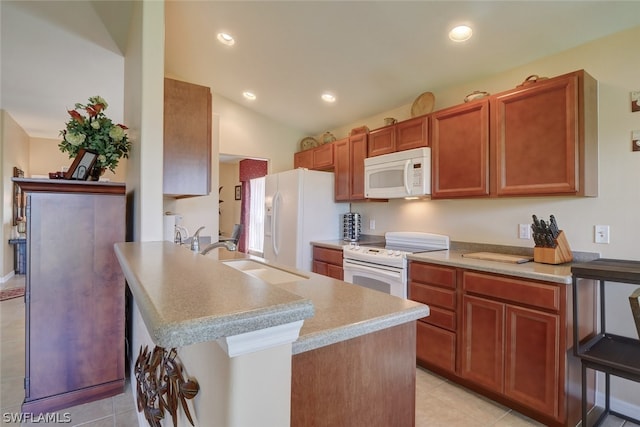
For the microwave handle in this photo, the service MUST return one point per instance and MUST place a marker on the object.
(406, 177)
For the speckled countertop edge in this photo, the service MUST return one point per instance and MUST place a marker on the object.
(332, 336)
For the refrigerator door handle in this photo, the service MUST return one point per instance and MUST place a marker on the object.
(274, 223)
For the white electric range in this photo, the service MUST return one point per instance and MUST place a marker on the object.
(385, 268)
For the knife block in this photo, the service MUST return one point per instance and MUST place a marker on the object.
(558, 255)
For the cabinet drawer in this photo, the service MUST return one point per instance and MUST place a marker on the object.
(335, 271)
(513, 290)
(434, 275)
(441, 317)
(432, 295)
(332, 256)
(435, 346)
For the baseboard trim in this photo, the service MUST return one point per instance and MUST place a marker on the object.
(7, 277)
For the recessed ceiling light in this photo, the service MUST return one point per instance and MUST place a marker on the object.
(460, 33)
(249, 95)
(328, 97)
(226, 39)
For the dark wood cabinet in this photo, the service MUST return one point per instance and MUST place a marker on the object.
(405, 135)
(349, 158)
(187, 139)
(545, 138)
(328, 262)
(75, 293)
(460, 151)
(504, 337)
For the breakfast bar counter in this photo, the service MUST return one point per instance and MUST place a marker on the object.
(332, 360)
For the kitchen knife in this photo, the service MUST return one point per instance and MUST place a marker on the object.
(553, 226)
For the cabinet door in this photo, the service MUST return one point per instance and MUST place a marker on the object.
(412, 134)
(320, 267)
(460, 151)
(358, 150)
(335, 271)
(342, 169)
(187, 139)
(531, 358)
(536, 138)
(435, 346)
(323, 157)
(303, 159)
(382, 141)
(482, 348)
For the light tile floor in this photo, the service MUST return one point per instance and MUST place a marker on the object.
(438, 401)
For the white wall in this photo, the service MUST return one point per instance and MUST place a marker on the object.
(614, 62)
(14, 145)
(230, 208)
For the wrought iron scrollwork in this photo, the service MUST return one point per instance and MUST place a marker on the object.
(161, 385)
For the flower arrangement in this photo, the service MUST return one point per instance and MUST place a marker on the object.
(96, 132)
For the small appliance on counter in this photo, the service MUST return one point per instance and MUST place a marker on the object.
(351, 226)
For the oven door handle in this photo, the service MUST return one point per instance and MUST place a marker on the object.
(379, 270)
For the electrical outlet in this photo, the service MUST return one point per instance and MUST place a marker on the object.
(601, 234)
(524, 231)
(372, 224)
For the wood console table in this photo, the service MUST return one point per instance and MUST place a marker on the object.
(606, 352)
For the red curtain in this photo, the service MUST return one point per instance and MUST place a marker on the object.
(248, 169)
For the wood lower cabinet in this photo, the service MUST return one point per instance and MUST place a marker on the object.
(328, 262)
(187, 139)
(349, 167)
(512, 339)
(75, 293)
(436, 334)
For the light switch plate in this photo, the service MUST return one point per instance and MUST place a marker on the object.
(601, 234)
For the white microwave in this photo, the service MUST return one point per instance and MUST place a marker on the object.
(400, 174)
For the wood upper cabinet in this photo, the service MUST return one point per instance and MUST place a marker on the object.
(187, 139)
(382, 141)
(460, 151)
(349, 158)
(405, 135)
(545, 138)
(318, 158)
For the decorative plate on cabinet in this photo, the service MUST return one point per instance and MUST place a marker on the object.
(423, 104)
(476, 94)
(307, 143)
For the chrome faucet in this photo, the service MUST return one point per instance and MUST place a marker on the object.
(228, 244)
(195, 240)
(181, 233)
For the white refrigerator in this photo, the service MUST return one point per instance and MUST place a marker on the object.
(299, 209)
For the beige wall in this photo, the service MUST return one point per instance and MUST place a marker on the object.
(614, 63)
(14, 145)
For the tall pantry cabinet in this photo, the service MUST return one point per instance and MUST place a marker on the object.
(74, 294)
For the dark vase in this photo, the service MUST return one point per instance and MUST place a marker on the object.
(96, 173)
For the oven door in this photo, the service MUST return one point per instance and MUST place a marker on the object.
(390, 280)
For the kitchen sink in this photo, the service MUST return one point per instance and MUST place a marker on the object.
(267, 273)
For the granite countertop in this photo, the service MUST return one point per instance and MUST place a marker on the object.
(530, 270)
(185, 298)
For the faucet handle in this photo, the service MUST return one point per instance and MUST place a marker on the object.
(195, 240)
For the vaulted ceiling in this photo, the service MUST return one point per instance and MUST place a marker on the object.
(372, 55)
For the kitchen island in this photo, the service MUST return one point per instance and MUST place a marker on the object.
(352, 360)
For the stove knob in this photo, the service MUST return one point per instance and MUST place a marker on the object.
(397, 253)
(389, 252)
